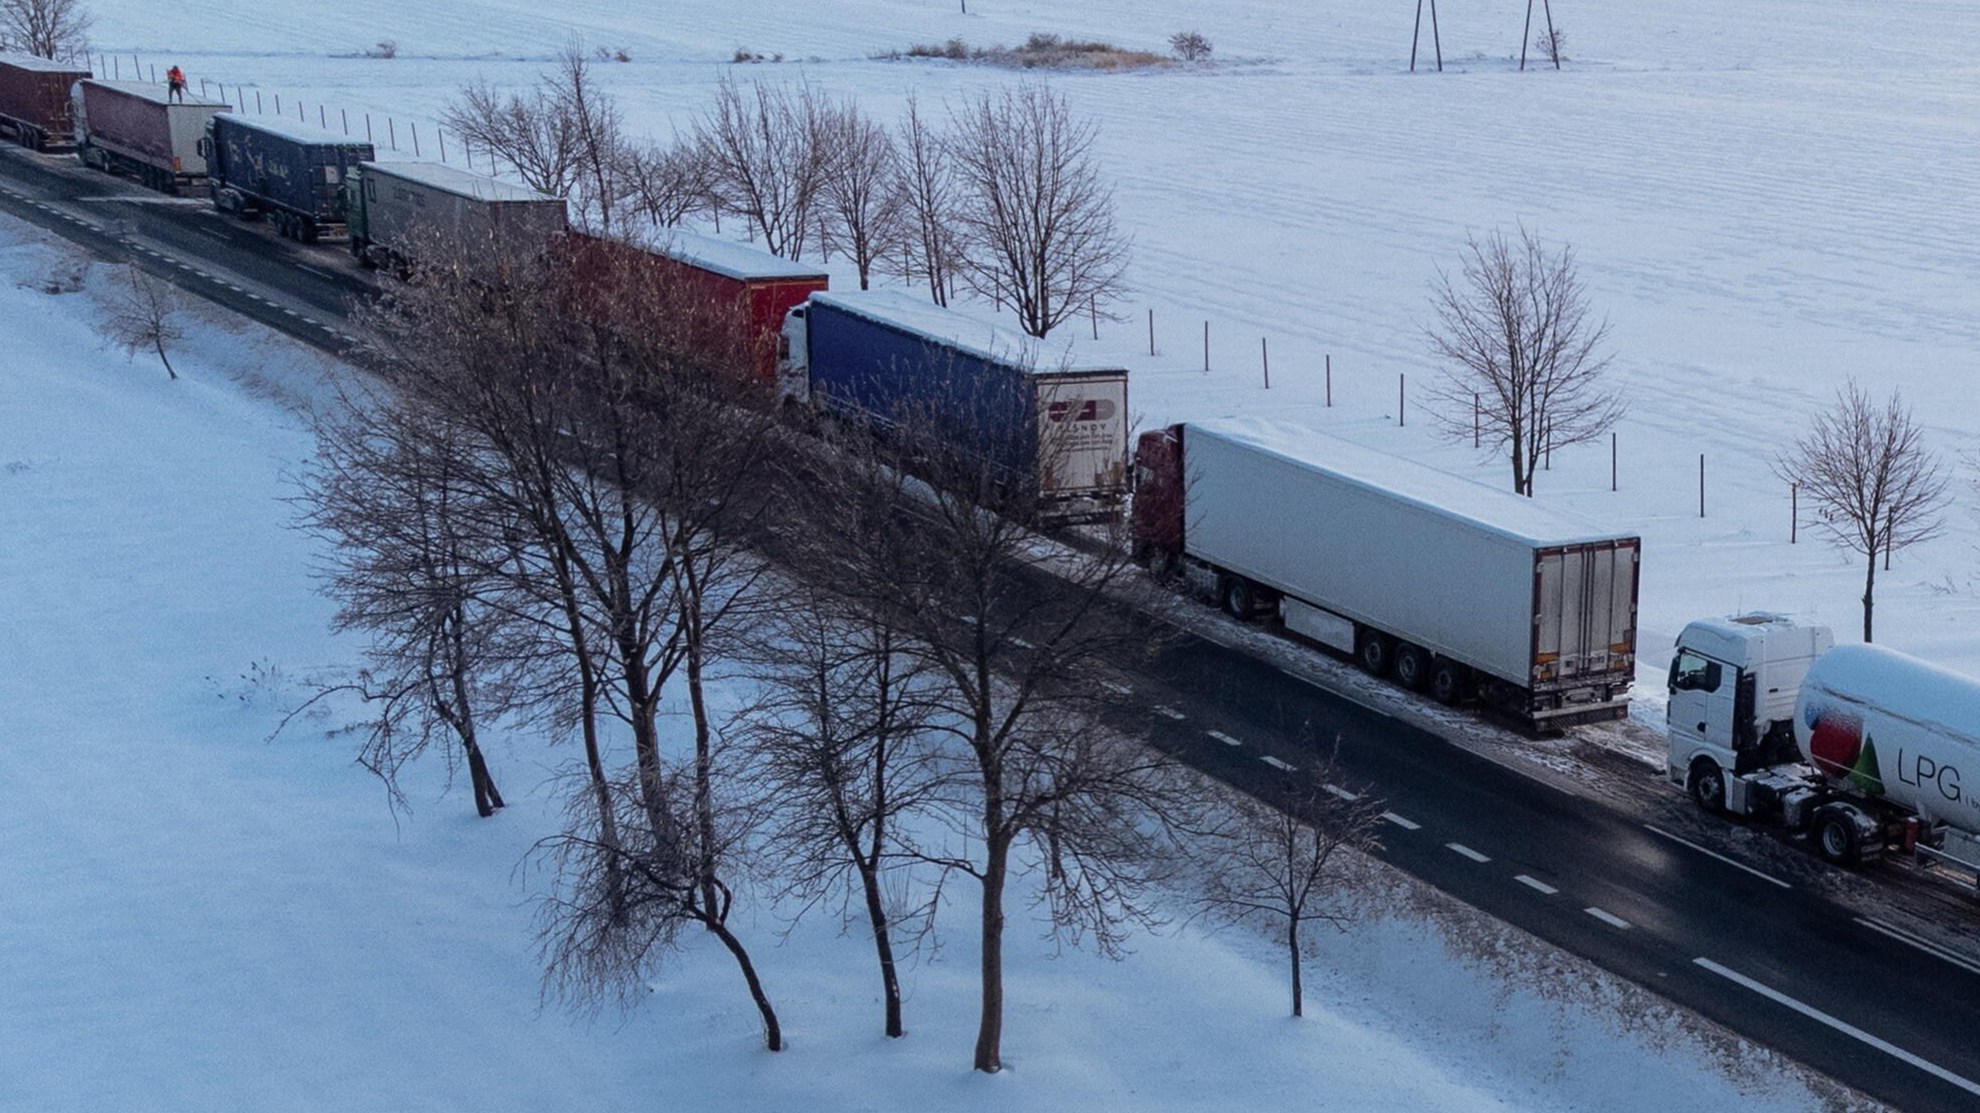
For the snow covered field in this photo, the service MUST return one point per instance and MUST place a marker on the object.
(1767, 199)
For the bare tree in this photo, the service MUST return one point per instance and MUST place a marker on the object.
(599, 128)
(1016, 636)
(666, 183)
(1525, 371)
(764, 150)
(1283, 861)
(860, 195)
(928, 187)
(565, 137)
(1868, 472)
(390, 488)
(144, 314)
(1034, 213)
(524, 130)
(619, 461)
(47, 28)
(840, 748)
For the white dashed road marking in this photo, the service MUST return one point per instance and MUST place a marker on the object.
(1224, 738)
(1337, 791)
(1164, 709)
(1609, 918)
(1536, 885)
(1405, 824)
(1467, 852)
(1277, 764)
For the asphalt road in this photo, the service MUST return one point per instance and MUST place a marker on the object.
(1871, 1006)
(1760, 952)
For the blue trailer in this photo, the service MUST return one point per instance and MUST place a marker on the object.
(285, 170)
(883, 357)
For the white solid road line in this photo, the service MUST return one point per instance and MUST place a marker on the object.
(1925, 945)
(1536, 884)
(1467, 851)
(1682, 841)
(1845, 1028)
(1224, 738)
(1277, 764)
(1609, 918)
(1405, 824)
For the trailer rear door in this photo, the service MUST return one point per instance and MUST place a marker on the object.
(1585, 610)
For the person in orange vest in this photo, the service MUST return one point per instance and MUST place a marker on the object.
(175, 81)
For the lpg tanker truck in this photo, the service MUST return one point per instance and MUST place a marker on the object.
(1862, 748)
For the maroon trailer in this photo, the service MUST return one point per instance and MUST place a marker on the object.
(35, 109)
(132, 127)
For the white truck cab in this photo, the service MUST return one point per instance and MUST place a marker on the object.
(793, 359)
(1733, 684)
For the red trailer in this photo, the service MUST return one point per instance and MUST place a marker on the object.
(35, 109)
(767, 286)
(744, 288)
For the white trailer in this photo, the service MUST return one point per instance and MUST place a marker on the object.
(1450, 585)
(1865, 749)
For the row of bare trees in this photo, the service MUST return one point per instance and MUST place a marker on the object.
(1002, 197)
(1525, 370)
(565, 508)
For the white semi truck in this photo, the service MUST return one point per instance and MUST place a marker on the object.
(1867, 750)
(1451, 587)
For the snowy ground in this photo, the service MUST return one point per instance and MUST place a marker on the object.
(1767, 199)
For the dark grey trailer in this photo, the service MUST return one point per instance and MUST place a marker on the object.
(401, 213)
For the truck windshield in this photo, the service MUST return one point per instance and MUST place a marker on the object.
(1692, 672)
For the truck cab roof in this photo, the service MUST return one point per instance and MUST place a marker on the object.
(1752, 640)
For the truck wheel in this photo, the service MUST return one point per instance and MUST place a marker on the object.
(1836, 838)
(1376, 652)
(1239, 601)
(1708, 785)
(1412, 667)
(1448, 682)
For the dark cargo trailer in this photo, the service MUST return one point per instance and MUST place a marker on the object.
(133, 128)
(290, 172)
(1057, 429)
(35, 108)
(402, 213)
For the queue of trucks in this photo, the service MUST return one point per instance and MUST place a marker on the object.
(1448, 587)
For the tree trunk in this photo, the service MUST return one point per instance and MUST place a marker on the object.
(487, 798)
(883, 945)
(1292, 949)
(990, 1026)
(773, 1032)
(159, 343)
(1869, 592)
